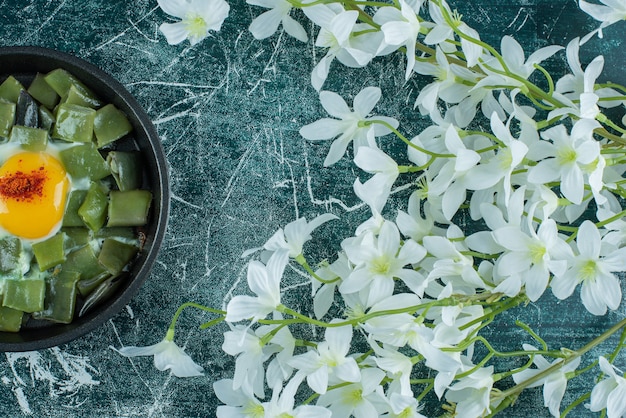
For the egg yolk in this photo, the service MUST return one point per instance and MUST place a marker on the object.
(33, 190)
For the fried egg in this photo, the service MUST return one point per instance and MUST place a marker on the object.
(33, 192)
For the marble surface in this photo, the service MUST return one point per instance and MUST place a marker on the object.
(228, 111)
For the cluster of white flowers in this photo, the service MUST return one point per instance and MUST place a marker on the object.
(545, 177)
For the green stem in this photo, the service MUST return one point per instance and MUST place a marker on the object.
(169, 336)
(544, 373)
(406, 140)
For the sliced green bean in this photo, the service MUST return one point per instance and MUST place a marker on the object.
(61, 80)
(123, 233)
(75, 237)
(46, 119)
(10, 89)
(50, 252)
(74, 201)
(41, 91)
(129, 208)
(26, 294)
(27, 111)
(115, 255)
(110, 125)
(126, 169)
(32, 139)
(86, 286)
(85, 261)
(10, 319)
(7, 117)
(93, 211)
(10, 253)
(100, 294)
(74, 123)
(60, 299)
(84, 161)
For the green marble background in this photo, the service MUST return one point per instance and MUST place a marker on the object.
(228, 111)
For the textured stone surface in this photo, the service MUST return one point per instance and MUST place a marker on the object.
(228, 111)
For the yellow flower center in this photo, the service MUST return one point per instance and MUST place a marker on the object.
(588, 270)
(566, 156)
(537, 252)
(196, 25)
(354, 397)
(254, 410)
(380, 265)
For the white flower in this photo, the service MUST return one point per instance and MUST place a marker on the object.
(400, 27)
(363, 399)
(449, 180)
(533, 256)
(571, 86)
(569, 158)
(610, 393)
(612, 11)
(384, 168)
(336, 28)
(350, 125)
(239, 403)
(397, 365)
(250, 353)
(379, 260)
(411, 223)
(513, 56)
(198, 18)
(167, 355)
(588, 99)
(554, 384)
(446, 85)
(450, 262)
(403, 407)
(295, 234)
(329, 363)
(282, 402)
(441, 32)
(471, 393)
(264, 25)
(593, 267)
(500, 166)
(265, 282)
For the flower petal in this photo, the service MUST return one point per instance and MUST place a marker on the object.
(175, 33)
(365, 100)
(266, 24)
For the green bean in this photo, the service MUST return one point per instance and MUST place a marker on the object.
(74, 123)
(129, 208)
(115, 255)
(93, 211)
(101, 294)
(84, 161)
(61, 80)
(25, 294)
(7, 117)
(60, 298)
(87, 285)
(50, 252)
(74, 201)
(10, 252)
(110, 125)
(10, 89)
(10, 319)
(85, 261)
(41, 91)
(126, 169)
(32, 139)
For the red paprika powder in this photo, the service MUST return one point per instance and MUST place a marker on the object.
(23, 186)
